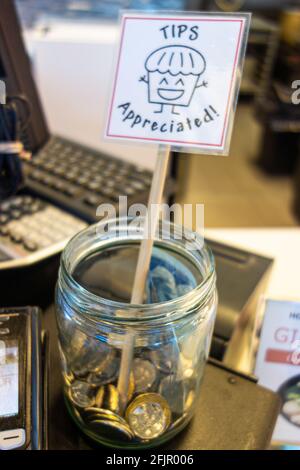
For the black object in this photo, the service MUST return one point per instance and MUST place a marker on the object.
(241, 280)
(233, 411)
(11, 177)
(20, 328)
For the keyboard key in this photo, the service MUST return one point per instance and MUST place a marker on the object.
(59, 185)
(93, 200)
(15, 237)
(15, 214)
(36, 175)
(4, 231)
(3, 219)
(30, 245)
(71, 190)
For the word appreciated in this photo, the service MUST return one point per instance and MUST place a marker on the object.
(171, 126)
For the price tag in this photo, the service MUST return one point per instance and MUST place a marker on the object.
(177, 80)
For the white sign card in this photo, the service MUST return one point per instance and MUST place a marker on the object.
(177, 80)
(278, 364)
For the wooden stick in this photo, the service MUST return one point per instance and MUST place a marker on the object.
(143, 264)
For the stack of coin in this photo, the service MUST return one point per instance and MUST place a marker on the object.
(105, 422)
(159, 397)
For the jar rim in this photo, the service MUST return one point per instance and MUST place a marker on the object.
(91, 302)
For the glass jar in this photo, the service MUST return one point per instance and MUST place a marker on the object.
(163, 343)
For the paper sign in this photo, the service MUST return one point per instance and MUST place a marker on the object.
(278, 364)
(177, 80)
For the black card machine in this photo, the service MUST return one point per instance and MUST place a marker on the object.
(21, 379)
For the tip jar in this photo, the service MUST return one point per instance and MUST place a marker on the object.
(170, 332)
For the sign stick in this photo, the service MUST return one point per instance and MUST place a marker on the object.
(143, 264)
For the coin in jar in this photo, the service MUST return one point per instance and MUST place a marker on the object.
(92, 413)
(81, 394)
(148, 415)
(92, 355)
(144, 374)
(68, 378)
(112, 429)
(108, 398)
(105, 374)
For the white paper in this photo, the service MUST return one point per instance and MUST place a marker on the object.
(278, 363)
(176, 80)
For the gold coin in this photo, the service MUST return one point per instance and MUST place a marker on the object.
(111, 398)
(112, 429)
(107, 397)
(99, 397)
(148, 415)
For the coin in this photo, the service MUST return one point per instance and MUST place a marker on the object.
(99, 396)
(108, 397)
(105, 374)
(89, 355)
(144, 375)
(81, 394)
(92, 413)
(112, 429)
(68, 378)
(148, 415)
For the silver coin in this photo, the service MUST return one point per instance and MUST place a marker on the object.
(81, 394)
(108, 373)
(89, 355)
(148, 415)
(144, 374)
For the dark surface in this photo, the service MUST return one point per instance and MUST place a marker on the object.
(233, 412)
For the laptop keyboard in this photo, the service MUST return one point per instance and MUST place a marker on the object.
(80, 179)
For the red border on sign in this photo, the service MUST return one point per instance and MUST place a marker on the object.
(152, 139)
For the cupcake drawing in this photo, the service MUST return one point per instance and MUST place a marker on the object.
(173, 74)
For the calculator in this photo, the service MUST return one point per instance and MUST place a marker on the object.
(32, 229)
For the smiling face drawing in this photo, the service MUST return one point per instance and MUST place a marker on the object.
(173, 74)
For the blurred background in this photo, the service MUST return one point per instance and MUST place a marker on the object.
(259, 184)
